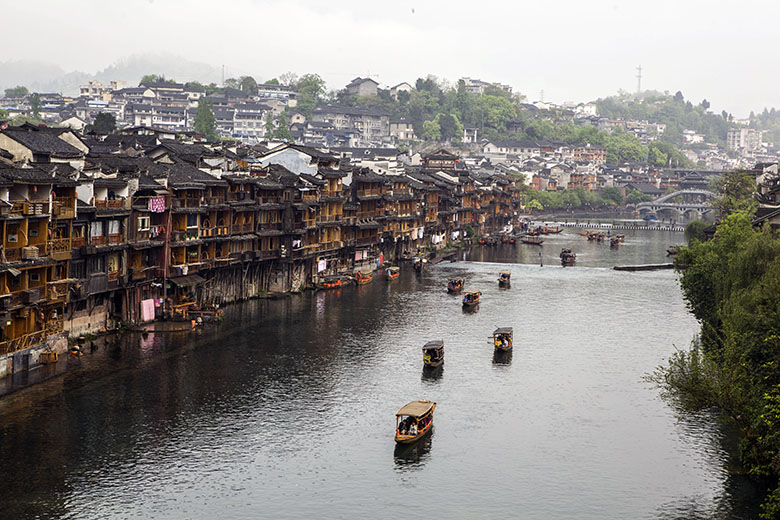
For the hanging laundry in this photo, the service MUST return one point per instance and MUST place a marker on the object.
(157, 204)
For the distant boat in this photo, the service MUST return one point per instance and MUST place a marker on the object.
(567, 257)
(502, 338)
(364, 277)
(503, 278)
(413, 421)
(392, 272)
(455, 286)
(534, 241)
(433, 353)
(471, 298)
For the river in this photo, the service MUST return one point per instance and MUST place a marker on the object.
(286, 409)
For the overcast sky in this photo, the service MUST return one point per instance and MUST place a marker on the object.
(574, 50)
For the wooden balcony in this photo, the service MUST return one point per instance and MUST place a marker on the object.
(60, 248)
(325, 219)
(115, 238)
(22, 342)
(28, 208)
(270, 254)
(143, 273)
(113, 276)
(77, 242)
(99, 240)
(329, 246)
(269, 200)
(246, 227)
(64, 208)
(185, 203)
(57, 291)
(110, 204)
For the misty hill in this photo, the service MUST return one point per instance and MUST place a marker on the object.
(49, 77)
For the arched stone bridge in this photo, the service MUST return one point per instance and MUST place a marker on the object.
(695, 204)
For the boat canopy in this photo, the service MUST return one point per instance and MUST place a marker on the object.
(433, 345)
(503, 330)
(505, 274)
(416, 409)
(473, 293)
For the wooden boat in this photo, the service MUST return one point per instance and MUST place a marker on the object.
(534, 241)
(567, 257)
(363, 277)
(392, 272)
(419, 263)
(433, 353)
(673, 250)
(331, 282)
(455, 286)
(502, 339)
(471, 298)
(413, 421)
(503, 278)
(614, 242)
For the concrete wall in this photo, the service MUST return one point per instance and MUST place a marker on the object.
(84, 322)
(57, 343)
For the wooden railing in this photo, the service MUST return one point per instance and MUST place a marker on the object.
(110, 204)
(13, 254)
(64, 208)
(57, 291)
(99, 240)
(78, 242)
(59, 247)
(22, 342)
(113, 276)
(115, 238)
(328, 218)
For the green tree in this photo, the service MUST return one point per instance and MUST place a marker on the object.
(431, 131)
(310, 88)
(3, 113)
(282, 131)
(205, 122)
(35, 105)
(248, 84)
(233, 83)
(636, 196)
(17, 91)
(694, 230)
(450, 127)
(736, 191)
(105, 123)
(272, 81)
(612, 193)
(154, 78)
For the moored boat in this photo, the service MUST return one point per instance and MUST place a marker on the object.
(673, 250)
(471, 298)
(503, 278)
(331, 282)
(455, 286)
(363, 277)
(502, 339)
(433, 353)
(392, 272)
(413, 421)
(534, 241)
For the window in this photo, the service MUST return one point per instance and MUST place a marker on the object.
(35, 277)
(97, 264)
(16, 281)
(13, 238)
(33, 232)
(78, 270)
(144, 223)
(96, 229)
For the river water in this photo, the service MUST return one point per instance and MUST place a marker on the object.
(286, 409)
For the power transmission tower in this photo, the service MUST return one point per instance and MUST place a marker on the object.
(639, 79)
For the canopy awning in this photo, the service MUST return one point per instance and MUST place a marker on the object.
(416, 408)
(187, 281)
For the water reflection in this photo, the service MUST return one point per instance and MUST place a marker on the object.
(502, 357)
(430, 373)
(415, 455)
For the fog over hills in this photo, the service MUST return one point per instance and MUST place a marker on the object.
(40, 76)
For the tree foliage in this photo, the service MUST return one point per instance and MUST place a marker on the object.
(310, 89)
(205, 122)
(282, 131)
(17, 91)
(155, 78)
(735, 191)
(105, 123)
(248, 84)
(35, 105)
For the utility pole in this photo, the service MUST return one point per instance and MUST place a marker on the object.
(639, 79)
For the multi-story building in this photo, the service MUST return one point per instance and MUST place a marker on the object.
(373, 125)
